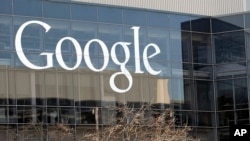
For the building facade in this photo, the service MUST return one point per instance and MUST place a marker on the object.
(66, 62)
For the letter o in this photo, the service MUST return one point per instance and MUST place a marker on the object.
(104, 50)
(59, 53)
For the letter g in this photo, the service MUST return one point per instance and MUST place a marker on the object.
(19, 50)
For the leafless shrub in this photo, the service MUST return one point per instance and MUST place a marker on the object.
(133, 125)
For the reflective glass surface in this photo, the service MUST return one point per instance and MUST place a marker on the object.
(83, 12)
(229, 47)
(27, 7)
(6, 7)
(110, 15)
(227, 23)
(196, 65)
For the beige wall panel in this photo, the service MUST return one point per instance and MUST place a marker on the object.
(200, 7)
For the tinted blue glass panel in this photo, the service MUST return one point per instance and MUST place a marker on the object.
(59, 29)
(157, 19)
(34, 58)
(83, 31)
(5, 33)
(128, 36)
(67, 59)
(179, 22)
(134, 17)
(6, 58)
(227, 23)
(109, 33)
(56, 10)
(28, 7)
(177, 90)
(161, 39)
(32, 36)
(109, 15)
(177, 70)
(83, 12)
(6, 7)
(175, 46)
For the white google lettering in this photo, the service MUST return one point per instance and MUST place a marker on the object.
(85, 54)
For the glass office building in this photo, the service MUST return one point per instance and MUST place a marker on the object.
(202, 66)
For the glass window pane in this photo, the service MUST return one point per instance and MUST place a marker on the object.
(232, 70)
(204, 94)
(52, 115)
(177, 92)
(242, 117)
(184, 118)
(157, 19)
(181, 70)
(3, 114)
(163, 66)
(3, 88)
(6, 7)
(225, 95)
(85, 117)
(110, 15)
(241, 95)
(82, 31)
(56, 10)
(34, 58)
(32, 36)
(51, 88)
(128, 36)
(196, 23)
(202, 71)
(134, 95)
(65, 90)
(89, 89)
(247, 20)
(206, 119)
(28, 7)
(226, 118)
(202, 51)
(247, 43)
(39, 88)
(134, 17)
(12, 114)
(109, 33)
(11, 88)
(227, 23)
(6, 59)
(189, 102)
(23, 87)
(83, 12)
(176, 46)
(160, 93)
(67, 116)
(229, 47)
(179, 22)
(161, 38)
(59, 29)
(186, 46)
(6, 33)
(109, 96)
